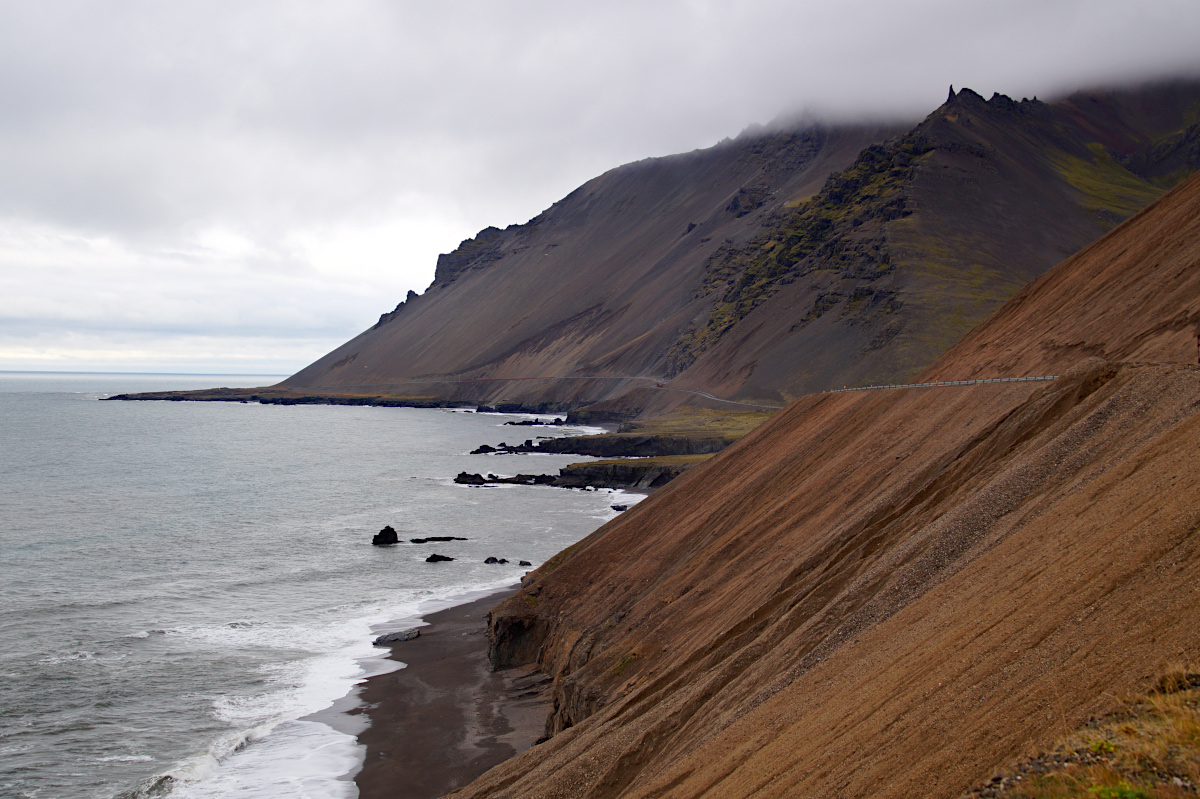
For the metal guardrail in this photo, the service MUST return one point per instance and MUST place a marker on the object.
(947, 383)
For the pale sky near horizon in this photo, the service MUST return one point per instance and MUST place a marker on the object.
(242, 186)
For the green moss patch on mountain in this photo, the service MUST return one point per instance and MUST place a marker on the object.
(1110, 190)
(1148, 748)
(924, 235)
(827, 227)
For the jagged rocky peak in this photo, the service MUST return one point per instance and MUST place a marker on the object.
(384, 318)
(482, 249)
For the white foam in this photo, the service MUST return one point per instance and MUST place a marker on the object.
(298, 760)
(277, 753)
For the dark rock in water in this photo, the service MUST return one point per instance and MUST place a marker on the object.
(469, 479)
(619, 507)
(385, 537)
(495, 560)
(397, 637)
(524, 563)
(483, 449)
(436, 538)
(436, 558)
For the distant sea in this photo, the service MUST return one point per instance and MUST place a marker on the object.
(182, 583)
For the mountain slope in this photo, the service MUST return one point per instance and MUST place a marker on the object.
(892, 593)
(779, 263)
(599, 284)
(926, 235)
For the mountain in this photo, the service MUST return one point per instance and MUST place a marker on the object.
(893, 593)
(600, 284)
(784, 262)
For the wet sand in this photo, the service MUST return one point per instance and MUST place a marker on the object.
(444, 720)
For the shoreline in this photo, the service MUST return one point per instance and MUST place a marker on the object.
(443, 719)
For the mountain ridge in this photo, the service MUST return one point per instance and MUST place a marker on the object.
(776, 264)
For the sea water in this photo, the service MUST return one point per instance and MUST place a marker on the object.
(183, 583)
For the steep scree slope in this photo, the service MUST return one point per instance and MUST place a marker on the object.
(892, 593)
(599, 284)
(750, 271)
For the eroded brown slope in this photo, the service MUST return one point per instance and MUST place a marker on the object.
(887, 593)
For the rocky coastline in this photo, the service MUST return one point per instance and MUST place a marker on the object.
(634, 473)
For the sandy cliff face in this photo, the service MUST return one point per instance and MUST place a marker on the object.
(893, 593)
(776, 264)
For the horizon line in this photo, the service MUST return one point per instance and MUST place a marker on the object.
(161, 374)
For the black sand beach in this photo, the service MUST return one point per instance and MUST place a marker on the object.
(445, 719)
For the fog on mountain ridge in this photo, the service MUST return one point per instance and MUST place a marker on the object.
(237, 189)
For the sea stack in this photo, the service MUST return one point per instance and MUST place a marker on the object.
(385, 537)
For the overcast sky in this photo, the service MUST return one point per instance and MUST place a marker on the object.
(241, 186)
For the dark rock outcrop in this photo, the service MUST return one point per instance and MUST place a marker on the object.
(521, 479)
(617, 445)
(397, 637)
(436, 558)
(436, 538)
(385, 537)
(496, 560)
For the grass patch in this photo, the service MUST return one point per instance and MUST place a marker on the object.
(699, 423)
(623, 663)
(645, 464)
(1148, 750)
(1108, 188)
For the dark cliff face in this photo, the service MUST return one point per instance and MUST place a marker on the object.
(776, 264)
(923, 236)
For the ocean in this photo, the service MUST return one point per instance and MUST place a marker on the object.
(182, 584)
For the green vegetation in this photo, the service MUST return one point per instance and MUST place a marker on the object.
(832, 228)
(699, 423)
(623, 663)
(1109, 189)
(1148, 750)
(641, 464)
(688, 431)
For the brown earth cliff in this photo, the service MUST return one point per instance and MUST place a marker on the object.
(893, 593)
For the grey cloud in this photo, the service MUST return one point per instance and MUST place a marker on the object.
(149, 123)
